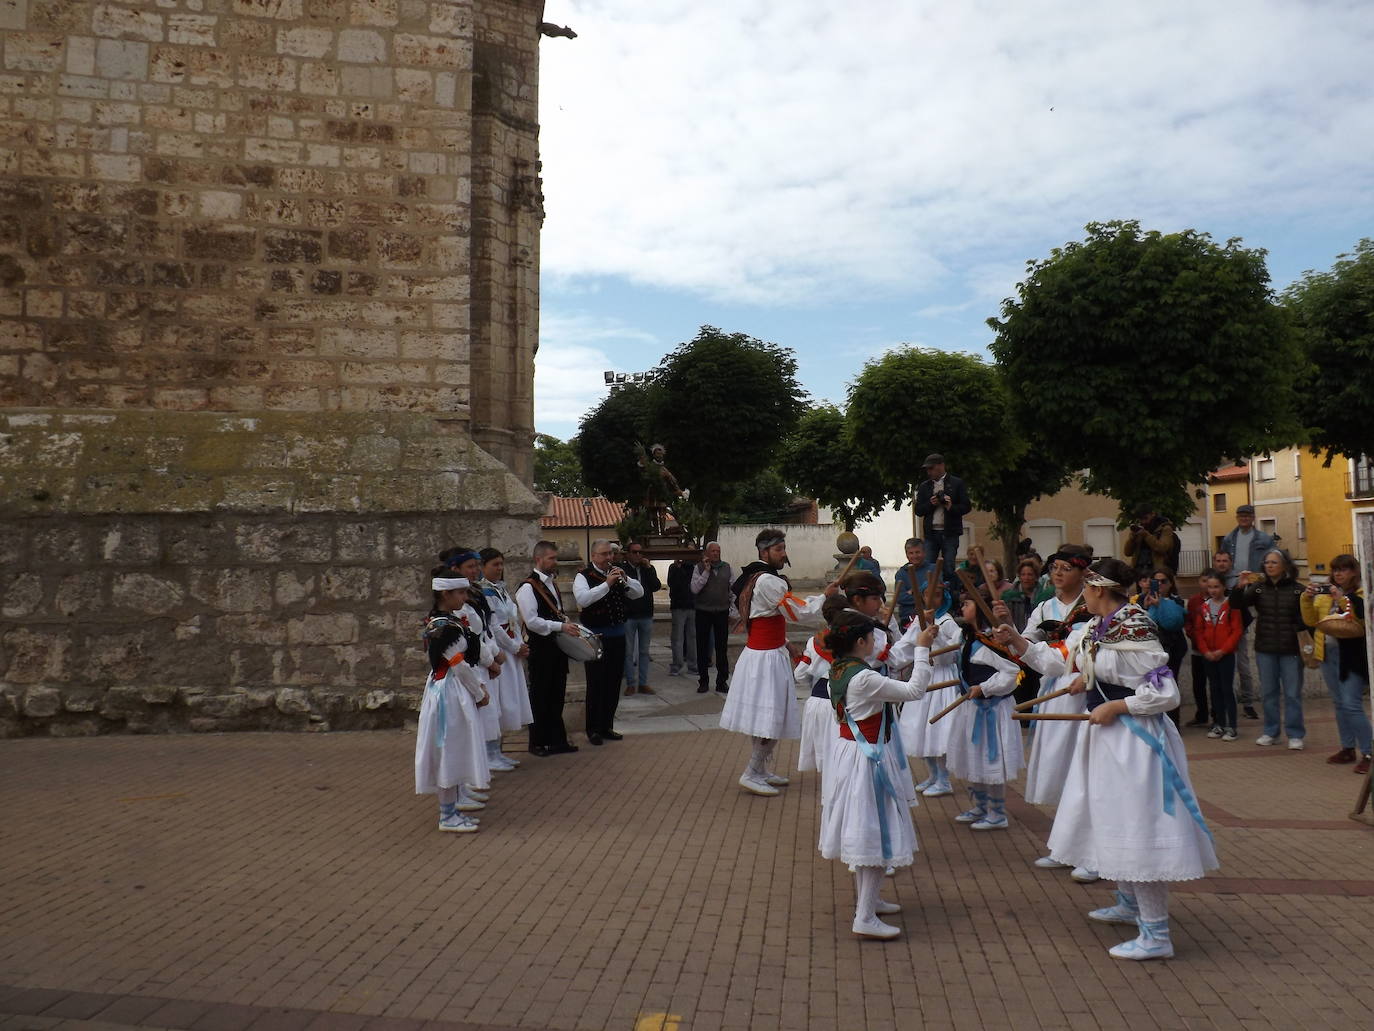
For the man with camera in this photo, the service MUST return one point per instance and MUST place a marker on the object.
(603, 592)
(942, 502)
(1151, 542)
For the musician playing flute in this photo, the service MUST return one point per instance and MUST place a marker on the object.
(1127, 809)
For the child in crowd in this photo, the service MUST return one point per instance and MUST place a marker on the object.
(1214, 628)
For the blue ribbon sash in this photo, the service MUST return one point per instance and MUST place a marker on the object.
(1172, 780)
(882, 786)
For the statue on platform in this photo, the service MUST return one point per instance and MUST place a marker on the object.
(660, 486)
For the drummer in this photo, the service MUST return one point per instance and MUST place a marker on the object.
(541, 607)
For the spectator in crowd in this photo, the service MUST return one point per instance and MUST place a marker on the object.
(996, 579)
(867, 562)
(682, 605)
(906, 603)
(711, 587)
(1225, 568)
(1246, 545)
(1026, 593)
(1159, 598)
(942, 502)
(1151, 542)
(639, 619)
(1214, 629)
(603, 591)
(1276, 596)
(1345, 664)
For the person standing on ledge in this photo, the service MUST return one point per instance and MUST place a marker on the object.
(762, 701)
(942, 502)
(603, 591)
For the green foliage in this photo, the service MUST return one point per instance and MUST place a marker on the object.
(633, 526)
(913, 401)
(822, 460)
(1335, 314)
(557, 466)
(606, 442)
(1009, 490)
(762, 499)
(721, 405)
(698, 525)
(1149, 360)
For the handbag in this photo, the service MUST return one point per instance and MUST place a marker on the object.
(1307, 648)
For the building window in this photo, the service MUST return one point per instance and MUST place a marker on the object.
(1297, 465)
(1264, 468)
(1270, 526)
(1302, 527)
(1218, 502)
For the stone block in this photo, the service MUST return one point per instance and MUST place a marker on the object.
(379, 700)
(34, 51)
(361, 46)
(282, 10)
(381, 13)
(346, 583)
(130, 542)
(318, 628)
(293, 588)
(113, 22)
(159, 694)
(81, 726)
(292, 701)
(267, 73)
(23, 595)
(118, 59)
(192, 29)
(122, 701)
(41, 702)
(146, 594)
(251, 628)
(305, 41)
(233, 590)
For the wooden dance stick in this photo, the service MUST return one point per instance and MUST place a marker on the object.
(946, 649)
(1043, 698)
(916, 599)
(845, 571)
(951, 706)
(976, 595)
(1024, 716)
(934, 586)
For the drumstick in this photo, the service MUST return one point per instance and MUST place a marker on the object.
(1023, 716)
(1042, 698)
(951, 706)
(976, 596)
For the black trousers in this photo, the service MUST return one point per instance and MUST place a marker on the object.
(548, 690)
(1200, 685)
(603, 684)
(717, 625)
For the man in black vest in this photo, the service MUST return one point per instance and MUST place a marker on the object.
(602, 591)
(541, 608)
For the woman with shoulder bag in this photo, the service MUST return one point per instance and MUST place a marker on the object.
(1338, 608)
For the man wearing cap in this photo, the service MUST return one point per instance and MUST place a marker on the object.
(941, 502)
(1246, 547)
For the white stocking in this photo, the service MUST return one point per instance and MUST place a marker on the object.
(867, 882)
(758, 758)
(1153, 899)
(448, 796)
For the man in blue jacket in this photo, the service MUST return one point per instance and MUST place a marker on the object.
(941, 502)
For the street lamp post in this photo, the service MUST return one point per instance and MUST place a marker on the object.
(587, 524)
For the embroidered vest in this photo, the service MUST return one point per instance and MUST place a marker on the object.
(609, 611)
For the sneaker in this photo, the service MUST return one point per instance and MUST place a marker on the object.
(1295, 744)
(458, 824)
(885, 908)
(1266, 739)
(888, 871)
(1230, 735)
(1048, 863)
(939, 789)
(991, 822)
(481, 796)
(777, 780)
(757, 785)
(1250, 713)
(1083, 875)
(500, 765)
(470, 805)
(674, 672)
(1345, 755)
(1153, 943)
(1362, 767)
(971, 816)
(1215, 732)
(875, 928)
(1125, 911)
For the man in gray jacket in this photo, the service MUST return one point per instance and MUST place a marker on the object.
(711, 588)
(1247, 547)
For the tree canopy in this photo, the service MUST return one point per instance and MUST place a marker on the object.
(557, 466)
(1149, 359)
(822, 459)
(606, 442)
(1335, 313)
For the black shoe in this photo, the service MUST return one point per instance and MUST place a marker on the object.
(611, 735)
(703, 688)
(723, 688)
(1198, 721)
(563, 749)
(1250, 713)
(543, 751)
(594, 739)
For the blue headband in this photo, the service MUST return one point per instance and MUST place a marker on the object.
(457, 560)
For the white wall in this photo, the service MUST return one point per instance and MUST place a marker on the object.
(811, 548)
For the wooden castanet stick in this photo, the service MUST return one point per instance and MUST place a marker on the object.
(1024, 706)
(1024, 716)
(916, 599)
(946, 649)
(951, 706)
(976, 595)
(934, 586)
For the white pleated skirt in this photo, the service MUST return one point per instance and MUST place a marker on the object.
(817, 731)
(1111, 814)
(515, 695)
(919, 736)
(449, 748)
(850, 828)
(1052, 745)
(762, 701)
(969, 761)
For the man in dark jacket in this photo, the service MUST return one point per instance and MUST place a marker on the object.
(639, 619)
(942, 502)
(683, 605)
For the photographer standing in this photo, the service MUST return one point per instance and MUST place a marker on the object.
(1151, 542)
(942, 502)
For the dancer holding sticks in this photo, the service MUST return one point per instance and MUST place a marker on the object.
(865, 818)
(919, 736)
(1052, 741)
(1113, 816)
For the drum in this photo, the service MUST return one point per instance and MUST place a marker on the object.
(585, 647)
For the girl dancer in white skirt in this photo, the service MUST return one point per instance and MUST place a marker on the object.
(812, 672)
(448, 746)
(468, 563)
(865, 818)
(1128, 808)
(513, 691)
(920, 737)
(984, 741)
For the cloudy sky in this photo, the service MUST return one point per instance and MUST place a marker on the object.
(843, 178)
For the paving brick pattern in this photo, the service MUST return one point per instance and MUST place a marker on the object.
(291, 881)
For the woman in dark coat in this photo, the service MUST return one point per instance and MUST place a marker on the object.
(1277, 597)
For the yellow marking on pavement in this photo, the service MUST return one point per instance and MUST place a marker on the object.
(658, 1022)
(151, 798)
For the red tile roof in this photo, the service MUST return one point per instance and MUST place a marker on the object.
(1231, 472)
(568, 513)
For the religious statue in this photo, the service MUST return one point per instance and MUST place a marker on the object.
(660, 486)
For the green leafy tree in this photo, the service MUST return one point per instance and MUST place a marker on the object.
(557, 466)
(761, 499)
(1149, 359)
(606, 441)
(822, 460)
(1008, 491)
(1335, 312)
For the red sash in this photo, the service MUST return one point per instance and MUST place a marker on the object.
(869, 726)
(767, 633)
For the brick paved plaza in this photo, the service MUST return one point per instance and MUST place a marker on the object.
(220, 882)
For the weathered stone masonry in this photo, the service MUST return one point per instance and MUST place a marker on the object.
(268, 312)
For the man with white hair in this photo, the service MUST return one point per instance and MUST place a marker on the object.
(602, 590)
(711, 591)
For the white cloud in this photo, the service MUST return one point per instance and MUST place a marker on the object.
(569, 369)
(752, 151)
